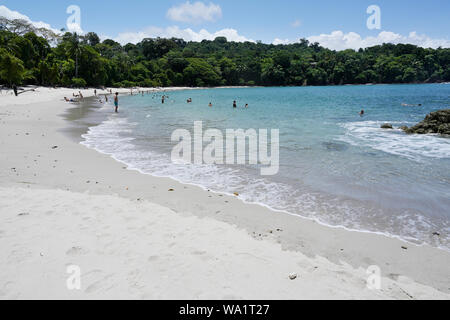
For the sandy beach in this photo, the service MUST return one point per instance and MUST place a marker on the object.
(136, 236)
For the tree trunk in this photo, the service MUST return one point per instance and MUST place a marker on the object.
(76, 65)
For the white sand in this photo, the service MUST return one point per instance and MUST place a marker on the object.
(73, 206)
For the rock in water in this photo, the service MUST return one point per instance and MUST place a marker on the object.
(387, 126)
(435, 122)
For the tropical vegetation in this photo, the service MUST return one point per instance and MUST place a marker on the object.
(42, 57)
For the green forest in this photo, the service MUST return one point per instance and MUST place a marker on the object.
(30, 56)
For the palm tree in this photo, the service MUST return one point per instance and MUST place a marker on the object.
(73, 48)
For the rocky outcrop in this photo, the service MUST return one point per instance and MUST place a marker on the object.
(435, 122)
(387, 126)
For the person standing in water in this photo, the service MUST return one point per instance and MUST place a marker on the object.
(116, 102)
(210, 105)
(234, 104)
(246, 106)
(163, 99)
(361, 114)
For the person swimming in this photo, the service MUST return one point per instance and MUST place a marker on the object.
(411, 105)
(361, 114)
(246, 106)
(210, 104)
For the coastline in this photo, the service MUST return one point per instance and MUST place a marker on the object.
(31, 127)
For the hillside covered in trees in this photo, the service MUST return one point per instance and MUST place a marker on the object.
(41, 57)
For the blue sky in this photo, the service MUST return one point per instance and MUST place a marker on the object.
(285, 20)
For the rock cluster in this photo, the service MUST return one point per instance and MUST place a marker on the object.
(435, 122)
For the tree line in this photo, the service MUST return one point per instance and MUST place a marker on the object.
(42, 57)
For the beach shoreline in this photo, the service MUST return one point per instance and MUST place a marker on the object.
(46, 160)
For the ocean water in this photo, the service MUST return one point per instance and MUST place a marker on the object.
(336, 167)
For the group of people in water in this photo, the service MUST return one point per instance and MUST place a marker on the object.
(211, 104)
(79, 96)
(362, 112)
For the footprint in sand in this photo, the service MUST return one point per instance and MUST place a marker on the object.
(103, 283)
(203, 255)
(19, 256)
(6, 289)
(77, 251)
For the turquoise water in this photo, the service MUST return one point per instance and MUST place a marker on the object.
(335, 166)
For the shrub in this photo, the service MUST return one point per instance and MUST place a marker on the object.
(79, 83)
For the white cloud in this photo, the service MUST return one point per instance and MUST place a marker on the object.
(281, 41)
(74, 20)
(11, 15)
(175, 32)
(197, 12)
(297, 23)
(338, 40)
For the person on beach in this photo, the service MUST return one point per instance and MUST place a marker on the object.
(15, 90)
(116, 102)
(95, 92)
(80, 95)
(234, 104)
(106, 98)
